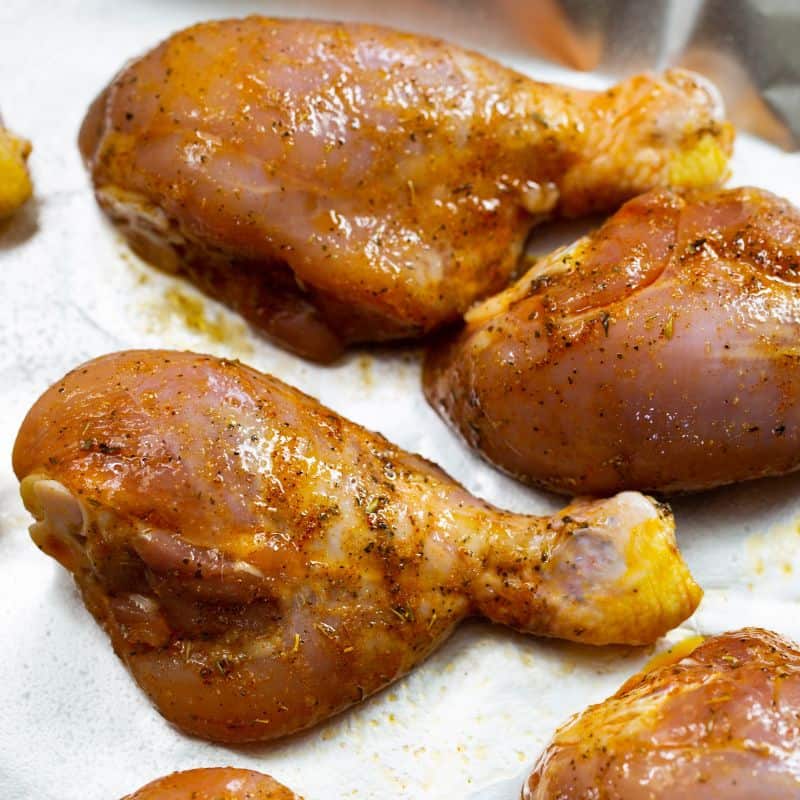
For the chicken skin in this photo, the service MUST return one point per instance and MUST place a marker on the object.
(261, 563)
(659, 353)
(214, 783)
(340, 183)
(723, 722)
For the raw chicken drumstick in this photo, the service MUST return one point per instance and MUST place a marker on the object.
(214, 783)
(659, 353)
(341, 183)
(261, 563)
(720, 723)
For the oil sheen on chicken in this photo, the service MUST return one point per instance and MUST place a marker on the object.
(720, 723)
(659, 353)
(214, 783)
(341, 183)
(261, 563)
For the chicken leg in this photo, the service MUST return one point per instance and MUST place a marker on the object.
(658, 353)
(214, 783)
(261, 563)
(720, 723)
(341, 183)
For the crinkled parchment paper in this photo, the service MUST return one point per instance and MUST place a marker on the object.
(466, 724)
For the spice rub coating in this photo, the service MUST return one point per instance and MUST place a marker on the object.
(261, 563)
(340, 183)
(214, 783)
(721, 722)
(658, 353)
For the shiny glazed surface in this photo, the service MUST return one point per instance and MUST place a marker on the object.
(214, 783)
(261, 563)
(341, 183)
(659, 353)
(723, 722)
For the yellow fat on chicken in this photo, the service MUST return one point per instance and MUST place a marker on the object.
(15, 182)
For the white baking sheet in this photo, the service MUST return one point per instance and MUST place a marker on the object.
(469, 722)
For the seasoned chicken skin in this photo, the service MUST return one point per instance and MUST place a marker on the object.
(341, 183)
(723, 722)
(214, 783)
(261, 563)
(659, 353)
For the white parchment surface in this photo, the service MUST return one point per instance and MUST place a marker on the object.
(466, 724)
